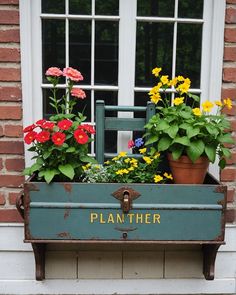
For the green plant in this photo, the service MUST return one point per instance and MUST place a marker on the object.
(60, 144)
(182, 127)
(128, 170)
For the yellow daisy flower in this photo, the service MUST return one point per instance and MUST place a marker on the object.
(155, 98)
(157, 178)
(127, 160)
(119, 172)
(178, 101)
(218, 103)
(157, 155)
(207, 106)
(180, 78)
(169, 176)
(173, 82)
(197, 112)
(143, 151)
(164, 79)
(228, 103)
(122, 154)
(148, 160)
(156, 71)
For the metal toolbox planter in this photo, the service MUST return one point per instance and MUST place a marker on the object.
(123, 213)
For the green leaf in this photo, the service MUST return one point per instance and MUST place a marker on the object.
(49, 174)
(70, 150)
(226, 152)
(194, 97)
(195, 149)
(191, 132)
(212, 129)
(177, 152)
(164, 143)
(222, 163)
(46, 154)
(32, 149)
(182, 140)
(87, 159)
(185, 115)
(35, 167)
(210, 152)
(27, 171)
(172, 131)
(67, 170)
(162, 125)
(226, 138)
(152, 139)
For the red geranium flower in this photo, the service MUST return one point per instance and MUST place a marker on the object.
(29, 128)
(40, 122)
(72, 74)
(48, 125)
(30, 137)
(53, 71)
(42, 136)
(77, 92)
(64, 124)
(88, 128)
(80, 136)
(58, 138)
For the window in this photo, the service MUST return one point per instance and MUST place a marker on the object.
(115, 44)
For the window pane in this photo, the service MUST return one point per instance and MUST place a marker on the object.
(153, 49)
(80, 47)
(84, 106)
(53, 44)
(106, 53)
(190, 9)
(80, 7)
(110, 98)
(155, 8)
(188, 57)
(48, 110)
(53, 6)
(108, 7)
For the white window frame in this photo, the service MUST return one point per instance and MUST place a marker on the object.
(31, 56)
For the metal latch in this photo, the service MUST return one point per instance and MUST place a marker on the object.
(126, 196)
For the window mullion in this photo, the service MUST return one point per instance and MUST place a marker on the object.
(127, 47)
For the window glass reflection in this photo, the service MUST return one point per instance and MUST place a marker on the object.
(106, 53)
(153, 49)
(80, 47)
(53, 6)
(190, 9)
(188, 55)
(155, 8)
(80, 7)
(53, 45)
(108, 7)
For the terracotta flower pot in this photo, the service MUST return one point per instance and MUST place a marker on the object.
(184, 171)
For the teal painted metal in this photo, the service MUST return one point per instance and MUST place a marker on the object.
(112, 123)
(83, 211)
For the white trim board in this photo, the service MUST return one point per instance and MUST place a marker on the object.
(183, 286)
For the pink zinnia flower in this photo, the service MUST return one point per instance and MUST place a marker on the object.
(131, 144)
(53, 71)
(72, 74)
(77, 92)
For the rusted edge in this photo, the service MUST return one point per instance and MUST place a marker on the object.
(221, 189)
(67, 213)
(64, 235)
(119, 194)
(67, 187)
(127, 229)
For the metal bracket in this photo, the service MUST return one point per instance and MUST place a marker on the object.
(126, 195)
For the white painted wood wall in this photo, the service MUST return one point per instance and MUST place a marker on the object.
(71, 269)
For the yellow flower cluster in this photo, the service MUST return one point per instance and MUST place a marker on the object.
(207, 106)
(158, 178)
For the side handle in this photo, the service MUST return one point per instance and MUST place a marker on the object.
(20, 205)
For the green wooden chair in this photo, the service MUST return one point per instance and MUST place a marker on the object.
(104, 123)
